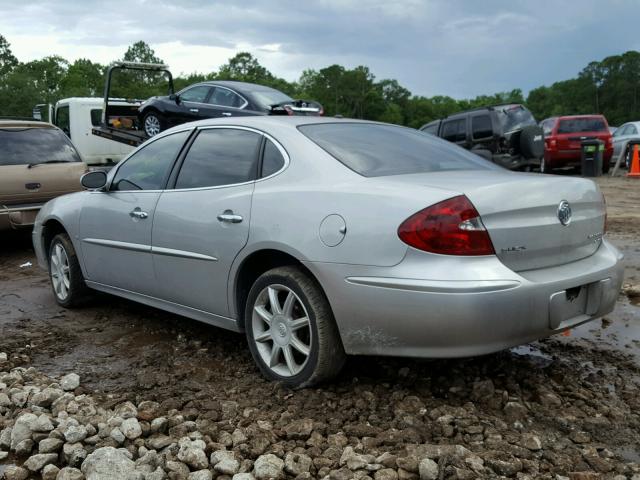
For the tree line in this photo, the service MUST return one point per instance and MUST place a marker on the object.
(609, 87)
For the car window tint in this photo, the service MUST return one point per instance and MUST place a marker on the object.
(577, 125)
(374, 150)
(454, 130)
(148, 167)
(632, 130)
(220, 156)
(547, 127)
(431, 128)
(225, 97)
(481, 126)
(195, 94)
(62, 119)
(21, 146)
(96, 117)
(272, 159)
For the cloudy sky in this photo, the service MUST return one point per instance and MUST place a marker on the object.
(460, 48)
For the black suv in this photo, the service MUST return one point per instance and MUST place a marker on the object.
(504, 134)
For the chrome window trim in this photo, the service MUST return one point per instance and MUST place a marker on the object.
(114, 171)
(246, 102)
(282, 150)
(191, 87)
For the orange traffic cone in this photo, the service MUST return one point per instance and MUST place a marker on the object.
(634, 170)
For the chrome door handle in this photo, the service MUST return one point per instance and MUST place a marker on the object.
(138, 214)
(229, 217)
(194, 110)
(226, 114)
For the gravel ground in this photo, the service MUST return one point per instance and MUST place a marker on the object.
(160, 396)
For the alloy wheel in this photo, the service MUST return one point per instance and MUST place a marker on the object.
(151, 125)
(281, 330)
(60, 271)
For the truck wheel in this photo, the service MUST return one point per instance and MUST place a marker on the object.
(153, 123)
(532, 142)
(67, 280)
(290, 329)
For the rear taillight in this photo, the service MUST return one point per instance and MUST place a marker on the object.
(451, 227)
(551, 144)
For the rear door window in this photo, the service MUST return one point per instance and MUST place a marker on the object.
(272, 159)
(224, 97)
(481, 127)
(454, 130)
(579, 125)
(375, 150)
(22, 146)
(220, 156)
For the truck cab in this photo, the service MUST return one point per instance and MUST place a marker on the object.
(77, 116)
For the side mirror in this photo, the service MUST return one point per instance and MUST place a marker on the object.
(95, 180)
(175, 97)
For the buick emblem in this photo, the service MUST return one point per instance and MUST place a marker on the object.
(564, 212)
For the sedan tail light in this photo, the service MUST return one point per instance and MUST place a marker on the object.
(451, 227)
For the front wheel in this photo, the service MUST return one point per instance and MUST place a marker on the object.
(66, 276)
(290, 329)
(153, 123)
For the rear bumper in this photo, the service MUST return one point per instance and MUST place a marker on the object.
(486, 308)
(570, 158)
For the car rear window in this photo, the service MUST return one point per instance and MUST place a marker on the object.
(21, 146)
(514, 117)
(375, 150)
(576, 125)
(267, 98)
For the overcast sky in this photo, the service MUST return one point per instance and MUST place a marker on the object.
(460, 48)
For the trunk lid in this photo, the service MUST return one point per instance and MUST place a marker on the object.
(520, 213)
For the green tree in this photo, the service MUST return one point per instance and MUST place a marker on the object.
(83, 79)
(7, 60)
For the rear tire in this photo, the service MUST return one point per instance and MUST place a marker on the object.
(67, 281)
(153, 123)
(290, 329)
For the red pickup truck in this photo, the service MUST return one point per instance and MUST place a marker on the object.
(563, 137)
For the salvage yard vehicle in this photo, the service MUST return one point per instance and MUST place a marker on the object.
(37, 163)
(219, 99)
(621, 137)
(506, 135)
(563, 137)
(322, 237)
(77, 116)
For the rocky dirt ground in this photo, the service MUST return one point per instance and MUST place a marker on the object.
(117, 390)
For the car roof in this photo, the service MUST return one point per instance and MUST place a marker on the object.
(240, 86)
(270, 122)
(571, 117)
(13, 123)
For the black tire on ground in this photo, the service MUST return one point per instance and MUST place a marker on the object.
(153, 123)
(327, 355)
(606, 165)
(532, 142)
(75, 291)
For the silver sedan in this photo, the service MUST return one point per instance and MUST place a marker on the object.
(621, 137)
(324, 237)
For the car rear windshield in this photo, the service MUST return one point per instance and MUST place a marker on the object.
(375, 150)
(577, 125)
(266, 98)
(514, 117)
(21, 146)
